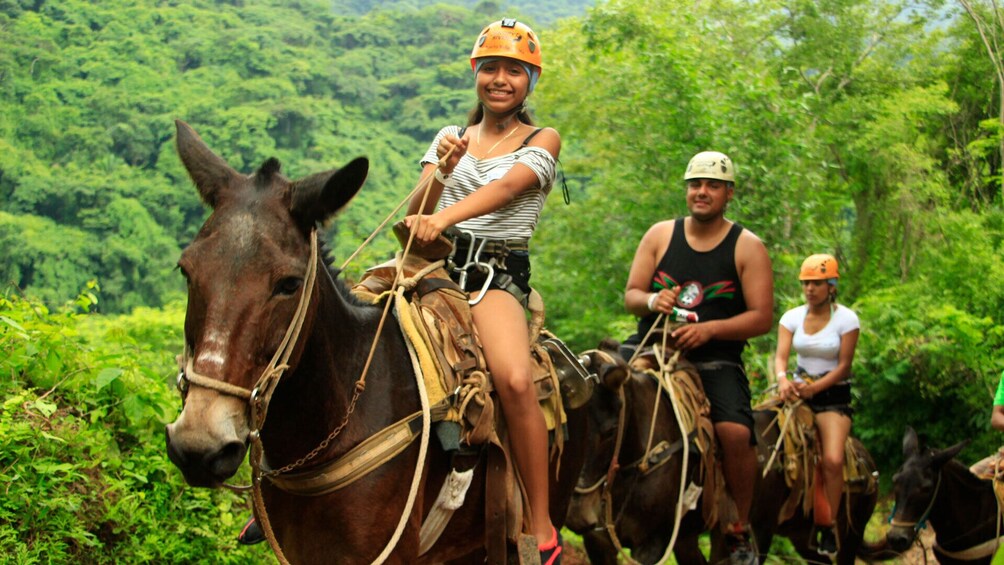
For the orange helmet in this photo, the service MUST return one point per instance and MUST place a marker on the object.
(508, 38)
(819, 267)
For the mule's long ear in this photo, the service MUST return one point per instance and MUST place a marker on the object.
(317, 197)
(210, 173)
(910, 444)
(613, 375)
(941, 457)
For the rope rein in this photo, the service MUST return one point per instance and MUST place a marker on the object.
(423, 185)
(666, 370)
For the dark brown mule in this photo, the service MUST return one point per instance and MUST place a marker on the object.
(933, 487)
(246, 270)
(855, 509)
(643, 505)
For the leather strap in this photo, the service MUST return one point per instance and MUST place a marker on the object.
(432, 284)
(495, 505)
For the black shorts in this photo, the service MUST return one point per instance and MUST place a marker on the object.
(837, 398)
(728, 392)
(516, 271)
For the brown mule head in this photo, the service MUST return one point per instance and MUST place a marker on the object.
(915, 487)
(245, 270)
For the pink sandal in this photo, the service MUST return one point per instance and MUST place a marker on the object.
(550, 552)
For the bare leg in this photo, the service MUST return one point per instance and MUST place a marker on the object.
(834, 428)
(738, 464)
(502, 326)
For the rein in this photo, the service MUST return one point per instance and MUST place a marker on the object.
(666, 381)
(982, 549)
(608, 481)
(605, 482)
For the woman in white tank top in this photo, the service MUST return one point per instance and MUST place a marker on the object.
(824, 335)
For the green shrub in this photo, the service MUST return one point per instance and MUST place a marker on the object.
(82, 457)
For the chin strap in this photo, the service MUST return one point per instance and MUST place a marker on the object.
(510, 112)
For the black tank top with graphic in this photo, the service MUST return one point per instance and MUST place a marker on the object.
(710, 286)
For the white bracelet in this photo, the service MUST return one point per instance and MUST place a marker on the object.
(651, 301)
(440, 176)
(781, 374)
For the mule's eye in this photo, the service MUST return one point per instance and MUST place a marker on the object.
(288, 286)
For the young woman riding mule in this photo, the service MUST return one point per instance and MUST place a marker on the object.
(824, 335)
(499, 170)
(280, 356)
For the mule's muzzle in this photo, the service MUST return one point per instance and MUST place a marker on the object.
(584, 512)
(205, 467)
(900, 538)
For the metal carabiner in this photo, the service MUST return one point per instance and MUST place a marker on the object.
(488, 281)
(473, 260)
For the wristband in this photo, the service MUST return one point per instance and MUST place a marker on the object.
(651, 301)
(781, 374)
(440, 176)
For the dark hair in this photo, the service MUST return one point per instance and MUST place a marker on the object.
(478, 113)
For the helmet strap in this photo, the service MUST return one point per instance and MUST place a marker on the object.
(502, 116)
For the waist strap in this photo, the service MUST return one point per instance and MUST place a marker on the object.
(716, 365)
(492, 247)
(470, 251)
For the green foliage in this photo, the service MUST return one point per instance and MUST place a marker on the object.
(82, 457)
(856, 130)
(93, 89)
(926, 364)
(864, 128)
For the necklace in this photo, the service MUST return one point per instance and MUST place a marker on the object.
(481, 126)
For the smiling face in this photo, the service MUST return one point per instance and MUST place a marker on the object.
(502, 84)
(707, 198)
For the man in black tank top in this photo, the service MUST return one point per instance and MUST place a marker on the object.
(720, 271)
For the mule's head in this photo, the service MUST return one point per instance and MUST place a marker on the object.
(245, 271)
(915, 486)
(604, 414)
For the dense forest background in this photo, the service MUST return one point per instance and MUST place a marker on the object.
(870, 129)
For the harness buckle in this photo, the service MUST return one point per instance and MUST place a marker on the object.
(181, 383)
(472, 261)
